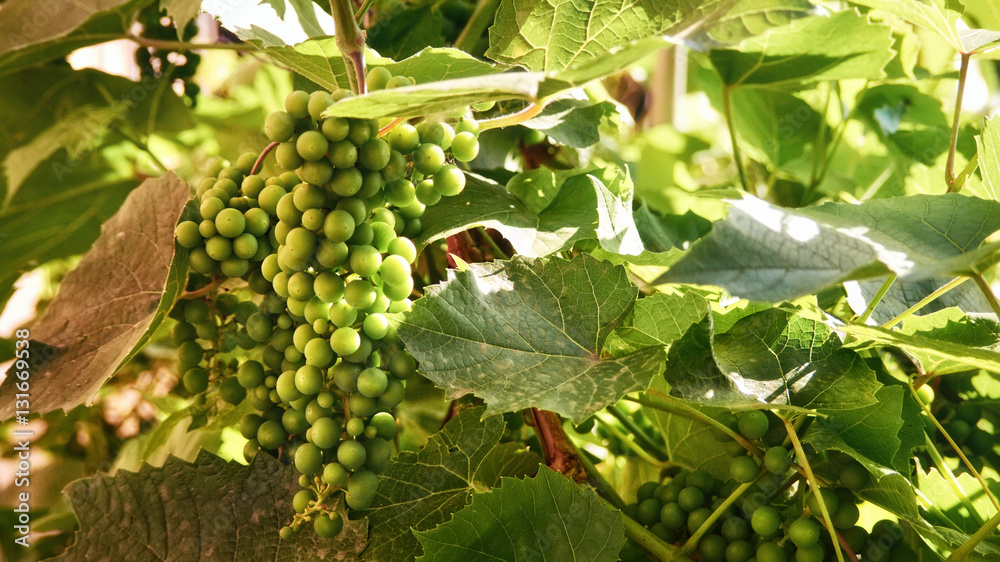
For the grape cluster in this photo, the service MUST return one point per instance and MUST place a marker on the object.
(775, 519)
(325, 249)
(153, 62)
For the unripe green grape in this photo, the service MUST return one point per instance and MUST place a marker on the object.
(249, 424)
(318, 102)
(314, 411)
(435, 133)
(377, 453)
(374, 154)
(301, 243)
(296, 309)
(312, 145)
(287, 156)
(426, 193)
(279, 126)
(372, 184)
(346, 182)
(280, 284)
(697, 518)
(400, 192)
(271, 434)
(777, 460)
(362, 236)
(395, 270)
(396, 168)
(363, 352)
(673, 516)
(735, 528)
(312, 219)
(343, 314)
(309, 380)
(335, 129)
(361, 405)
(308, 197)
(182, 332)
(300, 286)
(828, 497)
(739, 551)
(325, 432)
(211, 207)
(804, 532)
(206, 229)
(372, 382)
(360, 132)
(743, 469)
(765, 521)
(338, 226)
(345, 376)
(345, 340)
(465, 147)
(403, 247)
(297, 104)
(287, 213)
(256, 221)
(449, 181)
(329, 287)
(245, 246)
(294, 421)
(250, 374)
(712, 548)
(351, 454)
(189, 353)
(316, 311)
(691, 498)
(753, 424)
(382, 234)
(328, 526)
(286, 388)
(428, 158)
(343, 154)
(369, 433)
(375, 326)
(398, 292)
(187, 234)
(365, 261)
(269, 198)
(384, 424)
(301, 500)
(308, 459)
(252, 186)
(316, 173)
(227, 186)
(334, 473)
(771, 552)
(355, 427)
(195, 380)
(397, 82)
(466, 125)
(815, 553)
(846, 516)
(402, 365)
(404, 138)
(378, 77)
(234, 267)
(361, 489)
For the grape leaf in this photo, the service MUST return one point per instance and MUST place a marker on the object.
(988, 144)
(523, 30)
(749, 18)
(774, 127)
(834, 47)
(904, 294)
(263, 25)
(33, 32)
(548, 517)
(763, 252)
(941, 494)
(211, 509)
(689, 443)
(658, 319)
(573, 122)
(528, 333)
(951, 326)
(402, 34)
(908, 121)
(182, 12)
(110, 305)
(420, 490)
(978, 40)
(874, 431)
(772, 357)
(940, 16)
(938, 351)
(579, 206)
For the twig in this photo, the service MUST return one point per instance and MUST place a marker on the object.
(727, 108)
(814, 484)
(949, 168)
(528, 112)
(632, 445)
(640, 435)
(184, 46)
(692, 543)
(863, 319)
(560, 453)
(197, 294)
(392, 125)
(988, 293)
(924, 301)
(351, 42)
(962, 552)
(260, 159)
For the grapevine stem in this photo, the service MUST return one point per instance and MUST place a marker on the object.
(361, 12)
(197, 294)
(351, 42)
(877, 298)
(640, 435)
(962, 552)
(560, 452)
(949, 168)
(958, 450)
(692, 543)
(479, 20)
(597, 480)
(727, 108)
(814, 484)
(632, 445)
(392, 125)
(184, 46)
(260, 159)
(528, 112)
(988, 293)
(924, 301)
(676, 406)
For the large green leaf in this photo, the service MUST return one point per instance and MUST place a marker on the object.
(573, 122)
(110, 305)
(875, 431)
(940, 16)
(835, 47)
(945, 346)
(547, 212)
(748, 18)
(908, 121)
(951, 326)
(988, 144)
(764, 252)
(772, 358)
(658, 319)
(266, 26)
(209, 510)
(548, 517)
(529, 333)
(33, 32)
(418, 491)
(774, 127)
(902, 295)
(523, 31)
